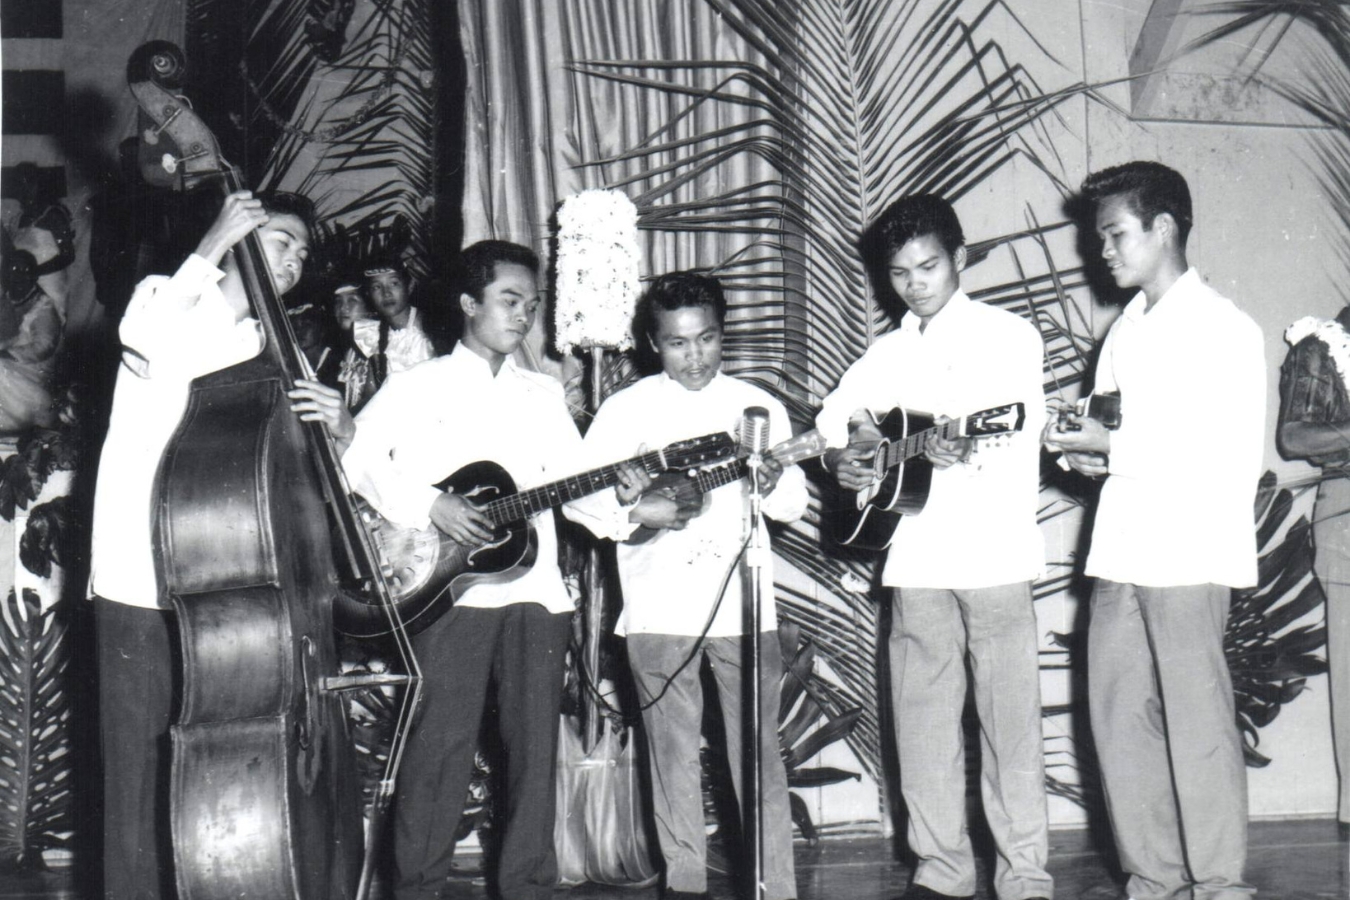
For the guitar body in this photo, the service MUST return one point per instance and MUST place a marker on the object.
(427, 572)
(682, 487)
(869, 522)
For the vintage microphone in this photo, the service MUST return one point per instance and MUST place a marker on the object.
(754, 443)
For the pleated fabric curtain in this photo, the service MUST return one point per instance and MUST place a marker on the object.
(544, 122)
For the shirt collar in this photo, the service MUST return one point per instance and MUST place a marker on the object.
(1188, 282)
(670, 384)
(475, 366)
(950, 311)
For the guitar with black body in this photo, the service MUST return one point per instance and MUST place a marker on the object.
(427, 571)
(902, 476)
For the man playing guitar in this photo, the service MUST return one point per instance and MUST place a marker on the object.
(960, 572)
(682, 588)
(422, 426)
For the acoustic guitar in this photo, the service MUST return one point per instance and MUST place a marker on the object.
(903, 476)
(427, 571)
(689, 486)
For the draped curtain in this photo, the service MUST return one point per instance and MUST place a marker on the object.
(542, 123)
(665, 100)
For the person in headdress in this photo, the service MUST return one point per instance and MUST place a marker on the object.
(393, 342)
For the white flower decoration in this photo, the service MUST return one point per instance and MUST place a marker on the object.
(598, 278)
(1329, 332)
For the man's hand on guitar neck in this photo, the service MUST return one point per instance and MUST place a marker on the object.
(943, 452)
(770, 470)
(1084, 441)
(633, 481)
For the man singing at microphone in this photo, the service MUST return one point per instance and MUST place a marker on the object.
(682, 577)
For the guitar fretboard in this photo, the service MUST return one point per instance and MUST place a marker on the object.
(716, 476)
(912, 445)
(522, 505)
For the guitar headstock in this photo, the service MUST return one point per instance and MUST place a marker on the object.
(994, 421)
(699, 451)
(807, 445)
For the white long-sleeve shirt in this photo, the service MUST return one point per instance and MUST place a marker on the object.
(671, 583)
(406, 346)
(426, 423)
(174, 330)
(978, 528)
(1176, 508)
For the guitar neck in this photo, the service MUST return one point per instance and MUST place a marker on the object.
(716, 476)
(912, 445)
(807, 445)
(524, 504)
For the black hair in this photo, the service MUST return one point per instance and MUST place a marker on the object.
(477, 265)
(915, 216)
(280, 203)
(678, 290)
(1149, 188)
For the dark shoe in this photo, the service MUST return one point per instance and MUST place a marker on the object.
(920, 892)
(685, 895)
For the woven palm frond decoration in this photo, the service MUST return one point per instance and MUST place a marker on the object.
(35, 715)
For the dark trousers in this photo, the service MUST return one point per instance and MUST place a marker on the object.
(520, 647)
(136, 703)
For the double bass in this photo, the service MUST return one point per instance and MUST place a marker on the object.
(255, 537)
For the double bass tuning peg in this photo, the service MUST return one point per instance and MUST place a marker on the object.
(151, 135)
(170, 163)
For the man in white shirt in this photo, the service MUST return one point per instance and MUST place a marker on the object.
(174, 330)
(682, 589)
(960, 571)
(1173, 535)
(421, 427)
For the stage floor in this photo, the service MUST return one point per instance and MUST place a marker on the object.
(1297, 860)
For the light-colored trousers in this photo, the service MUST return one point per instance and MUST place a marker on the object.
(933, 635)
(1331, 533)
(673, 725)
(1161, 705)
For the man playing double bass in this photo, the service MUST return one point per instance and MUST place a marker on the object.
(175, 329)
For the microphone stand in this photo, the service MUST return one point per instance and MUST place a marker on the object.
(756, 557)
